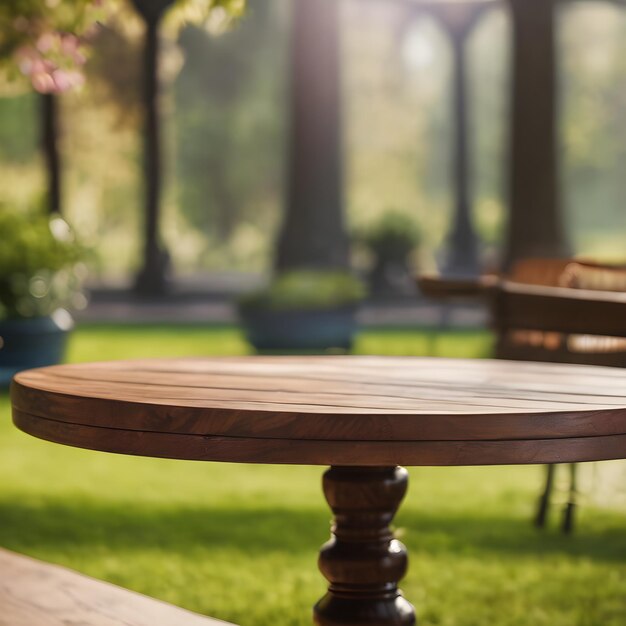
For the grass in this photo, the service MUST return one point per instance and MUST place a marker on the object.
(240, 542)
(99, 342)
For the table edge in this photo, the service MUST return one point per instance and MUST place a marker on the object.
(316, 452)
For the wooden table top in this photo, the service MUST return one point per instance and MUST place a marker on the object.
(339, 410)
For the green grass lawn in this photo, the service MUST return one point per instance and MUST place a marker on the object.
(240, 541)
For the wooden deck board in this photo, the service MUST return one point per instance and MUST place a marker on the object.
(34, 593)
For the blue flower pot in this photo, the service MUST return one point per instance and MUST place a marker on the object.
(32, 342)
(300, 330)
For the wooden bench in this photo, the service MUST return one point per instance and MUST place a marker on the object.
(553, 342)
(556, 310)
(585, 326)
(33, 593)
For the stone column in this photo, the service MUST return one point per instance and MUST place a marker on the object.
(313, 231)
(535, 226)
(462, 250)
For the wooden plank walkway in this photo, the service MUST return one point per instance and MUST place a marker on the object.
(33, 593)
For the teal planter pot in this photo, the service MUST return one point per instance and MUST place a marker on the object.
(32, 342)
(300, 330)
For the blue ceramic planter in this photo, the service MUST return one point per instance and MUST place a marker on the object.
(32, 342)
(307, 330)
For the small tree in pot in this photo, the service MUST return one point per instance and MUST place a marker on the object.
(41, 275)
(390, 240)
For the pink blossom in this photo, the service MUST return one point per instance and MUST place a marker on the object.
(52, 59)
(45, 42)
(50, 63)
(66, 79)
(43, 83)
(70, 46)
(25, 57)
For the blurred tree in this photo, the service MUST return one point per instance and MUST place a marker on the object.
(18, 138)
(152, 277)
(45, 40)
(114, 70)
(489, 62)
(459, 20)
(398, 134)
(593, 70)
(397, 119)
(229, 134)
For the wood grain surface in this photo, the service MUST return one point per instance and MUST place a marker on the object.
(33, 593)
(330, 410)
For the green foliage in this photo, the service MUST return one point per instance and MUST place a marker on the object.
(40, 269)
(392, 236)
(43, 40)
(139, 341)
(223, 178)
(229, 164)
(18, 134)
(593, 66)
(22, 21)
(307, 289)
(197, 11)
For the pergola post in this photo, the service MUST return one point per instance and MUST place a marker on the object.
(49, 105)
(535, 226)
(462, 254)
(151, 279)
(313, 231)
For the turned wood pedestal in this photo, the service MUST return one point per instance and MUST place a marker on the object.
(363, 562)
(363, 416)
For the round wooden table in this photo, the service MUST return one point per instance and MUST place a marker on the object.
(363, 416)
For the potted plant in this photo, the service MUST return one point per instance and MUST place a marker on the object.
(390, 240)
(310, 310)
(40, 277)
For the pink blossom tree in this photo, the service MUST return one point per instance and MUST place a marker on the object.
(152, 277)
(45, 40)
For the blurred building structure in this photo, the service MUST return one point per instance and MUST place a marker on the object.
(313, 232)
(152, 277)
(312, 227)
(458, 21)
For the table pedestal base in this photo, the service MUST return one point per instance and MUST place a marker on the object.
(363, 561)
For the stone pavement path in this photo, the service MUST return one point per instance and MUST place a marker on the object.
(211, 298)
(211, 309)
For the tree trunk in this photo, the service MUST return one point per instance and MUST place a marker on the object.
(313, 232)
(49, 139)
(535, 227)
(152, 279)
(462, 256)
